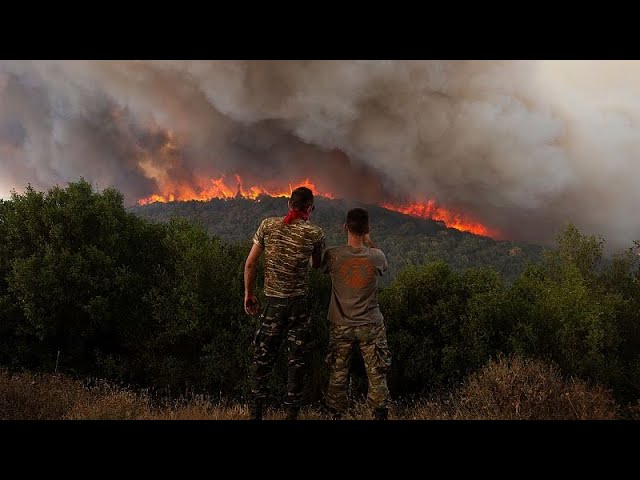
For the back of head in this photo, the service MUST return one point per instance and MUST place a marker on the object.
(358, 221)
(301, 198)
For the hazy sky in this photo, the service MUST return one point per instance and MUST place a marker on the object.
(523, 146)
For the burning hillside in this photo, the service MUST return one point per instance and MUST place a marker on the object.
(222, 188)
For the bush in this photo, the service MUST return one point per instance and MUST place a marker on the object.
(441, 325)
(522, 389)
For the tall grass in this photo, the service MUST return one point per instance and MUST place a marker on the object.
(511, 389)
(520, 389)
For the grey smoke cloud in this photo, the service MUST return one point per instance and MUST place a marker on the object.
(521, 146)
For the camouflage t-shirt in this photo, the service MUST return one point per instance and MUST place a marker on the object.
(288, 249)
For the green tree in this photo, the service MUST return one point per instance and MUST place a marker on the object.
(75, 265)
(441, 324)
(563, 313)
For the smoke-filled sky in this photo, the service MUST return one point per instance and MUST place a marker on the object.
(521, 146)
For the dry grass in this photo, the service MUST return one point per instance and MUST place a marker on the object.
(106, 402)
(634, 410)
(513, 389)
(26, 396)
(521, 389)
(36, 397)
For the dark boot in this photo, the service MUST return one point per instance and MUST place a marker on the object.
(256, 412)
(292, 413)
(331, 412)
(334, 414)
(381, 414)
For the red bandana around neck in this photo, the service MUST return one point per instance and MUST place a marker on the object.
(294, 215)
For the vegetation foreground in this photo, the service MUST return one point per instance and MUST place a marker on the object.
(91, 290)
(506, 389)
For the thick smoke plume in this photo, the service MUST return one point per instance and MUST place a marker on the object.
(521, 146)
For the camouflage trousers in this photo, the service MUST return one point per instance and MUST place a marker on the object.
(372, 341)
(281, 316)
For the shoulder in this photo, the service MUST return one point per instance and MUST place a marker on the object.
(314, 231)
(332, 250)
(338, 251)
(270, 222)
(377, 253)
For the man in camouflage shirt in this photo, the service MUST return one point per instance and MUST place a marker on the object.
(355, 317)
(288, 243)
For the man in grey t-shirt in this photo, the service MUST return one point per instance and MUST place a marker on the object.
(355, 317)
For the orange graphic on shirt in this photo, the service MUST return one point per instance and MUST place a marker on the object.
(357, 272)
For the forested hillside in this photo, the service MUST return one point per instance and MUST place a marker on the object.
(406, 240)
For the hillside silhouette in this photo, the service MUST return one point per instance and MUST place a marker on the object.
(406, 240)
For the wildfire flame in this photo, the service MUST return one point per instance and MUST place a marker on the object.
(430, 210)
(220, 189)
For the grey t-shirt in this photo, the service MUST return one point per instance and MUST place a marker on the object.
(354, 284)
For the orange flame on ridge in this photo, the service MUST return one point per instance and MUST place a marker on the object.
(430, 210)
(217, 188)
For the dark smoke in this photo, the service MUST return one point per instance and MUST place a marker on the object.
(523, 147)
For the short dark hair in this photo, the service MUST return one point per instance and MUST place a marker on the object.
(358, 221)
(301, 198)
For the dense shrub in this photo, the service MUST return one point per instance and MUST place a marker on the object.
(441, 325)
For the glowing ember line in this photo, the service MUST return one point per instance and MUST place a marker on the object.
(218, 188)
(431, 211)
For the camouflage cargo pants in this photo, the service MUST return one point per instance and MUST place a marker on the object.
(372, 341)
(280, 316)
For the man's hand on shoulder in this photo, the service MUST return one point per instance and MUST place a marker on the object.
(368, 242)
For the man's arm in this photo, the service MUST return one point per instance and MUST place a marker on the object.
(316, 255)
(251, 304)
(384, 266)
(327, 262)
(368, 242)
(316, 258)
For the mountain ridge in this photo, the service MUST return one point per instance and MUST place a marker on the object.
(407, 240)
